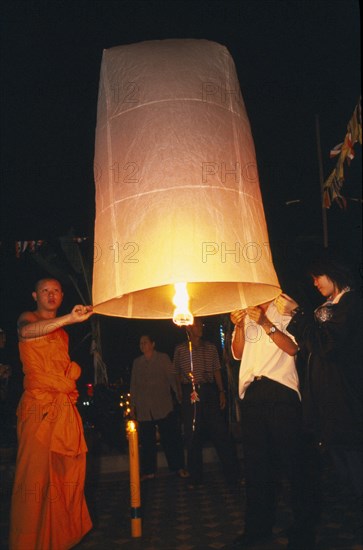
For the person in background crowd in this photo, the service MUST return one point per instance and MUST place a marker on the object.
(152, 383)
(203, 401)
(5, 374)
(48, 508)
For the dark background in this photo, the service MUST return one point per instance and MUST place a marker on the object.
(295, 60)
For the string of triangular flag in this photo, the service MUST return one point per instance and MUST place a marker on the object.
(345, 152)
(32, 246)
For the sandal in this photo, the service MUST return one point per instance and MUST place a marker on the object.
(147, 476)
(183, 473)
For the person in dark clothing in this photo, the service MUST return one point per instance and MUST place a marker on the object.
(203, 399)
(5, 374)
(330, 338)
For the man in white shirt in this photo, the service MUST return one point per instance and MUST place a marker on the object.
(270, 418)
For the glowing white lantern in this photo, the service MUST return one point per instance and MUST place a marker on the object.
(177, 190)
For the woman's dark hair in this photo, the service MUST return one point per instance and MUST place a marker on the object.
(149, 336)
(337, 272)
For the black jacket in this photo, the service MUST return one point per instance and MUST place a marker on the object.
(332, 384)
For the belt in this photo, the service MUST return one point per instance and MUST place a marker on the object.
(198, 385)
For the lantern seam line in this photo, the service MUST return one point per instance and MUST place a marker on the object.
(240, 115)
(138, 195)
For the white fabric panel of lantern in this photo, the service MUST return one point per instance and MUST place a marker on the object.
(177, 188)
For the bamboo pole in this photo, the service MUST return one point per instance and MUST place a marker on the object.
(136, 529)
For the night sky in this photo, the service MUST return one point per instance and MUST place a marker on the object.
(294, 59)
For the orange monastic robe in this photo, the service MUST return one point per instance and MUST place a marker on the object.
(48, 509)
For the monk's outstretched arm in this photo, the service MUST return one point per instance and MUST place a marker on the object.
(31, 326)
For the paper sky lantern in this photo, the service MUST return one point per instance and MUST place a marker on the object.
(177, 189)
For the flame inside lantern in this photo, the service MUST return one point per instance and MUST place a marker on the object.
(182, 315)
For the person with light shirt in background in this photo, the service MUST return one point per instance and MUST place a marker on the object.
(152, 384)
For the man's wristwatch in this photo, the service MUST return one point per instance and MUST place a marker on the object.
(271, 331)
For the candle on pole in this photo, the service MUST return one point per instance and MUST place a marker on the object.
(134, 479)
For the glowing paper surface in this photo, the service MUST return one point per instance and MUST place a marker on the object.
(177, 189)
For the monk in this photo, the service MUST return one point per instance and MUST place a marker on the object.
(48, 508)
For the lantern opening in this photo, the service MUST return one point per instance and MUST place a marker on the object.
(182, 316)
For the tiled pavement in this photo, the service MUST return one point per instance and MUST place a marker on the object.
(177, 518)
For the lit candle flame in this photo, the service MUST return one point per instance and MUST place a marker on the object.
(131, 426)
(182, 315)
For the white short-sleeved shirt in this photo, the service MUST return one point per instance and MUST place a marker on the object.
(262, 357)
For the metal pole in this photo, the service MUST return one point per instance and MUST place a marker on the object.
(321, 178)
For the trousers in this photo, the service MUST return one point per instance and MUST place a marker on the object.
(271, 428)
(204, 419)
(170, 439)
